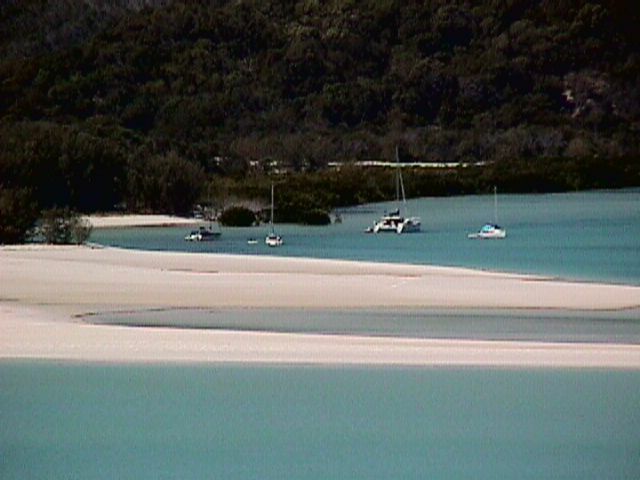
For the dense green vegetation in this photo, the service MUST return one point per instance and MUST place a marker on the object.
(237, 217)
(142, 104)
(63, 226)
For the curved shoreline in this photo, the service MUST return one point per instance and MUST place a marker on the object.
(43, 288)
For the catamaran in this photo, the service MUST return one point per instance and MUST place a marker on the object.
(272, 239)
(491, 231)
(394, 221)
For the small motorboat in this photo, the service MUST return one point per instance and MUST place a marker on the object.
(203, 234)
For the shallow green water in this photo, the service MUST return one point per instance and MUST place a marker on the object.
(177, 422)
(586, 236)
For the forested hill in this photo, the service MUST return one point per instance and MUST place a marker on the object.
(104, 94)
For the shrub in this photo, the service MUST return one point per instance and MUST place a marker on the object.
(237, 217)
(63, 226)
(81, 230)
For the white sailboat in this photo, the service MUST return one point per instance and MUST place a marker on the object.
(491, 231)
(395, 222)
(272, 239)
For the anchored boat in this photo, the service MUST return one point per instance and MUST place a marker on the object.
(395, 222)
(491, 231)
(272, 239)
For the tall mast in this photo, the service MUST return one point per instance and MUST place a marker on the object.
(400, 185)
(397, 178)
(495, 204)
(271, 219)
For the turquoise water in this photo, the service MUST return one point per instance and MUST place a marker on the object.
(585, 236)
(159, 422)
(76, 421)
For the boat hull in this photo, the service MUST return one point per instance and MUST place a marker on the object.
(202, 235)
(273, 241)
(410, 225)
(397, 225)
(489, 232)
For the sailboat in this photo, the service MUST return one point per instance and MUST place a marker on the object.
(272, 239)
(491, 231)
(394, 221)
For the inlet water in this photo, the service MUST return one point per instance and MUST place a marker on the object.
(593, 236)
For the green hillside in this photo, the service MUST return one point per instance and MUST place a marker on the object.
(140, 102)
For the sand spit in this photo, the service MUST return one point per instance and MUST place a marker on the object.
(128, 221)
(44, 288)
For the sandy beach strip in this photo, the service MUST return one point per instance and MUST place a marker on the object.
(128, 221)
(43, 290)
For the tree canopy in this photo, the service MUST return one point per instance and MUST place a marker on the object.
(138, 102)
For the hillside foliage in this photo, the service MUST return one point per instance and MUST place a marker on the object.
(138, 103)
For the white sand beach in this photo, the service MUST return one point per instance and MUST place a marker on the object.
(127, 221)
(45, 289)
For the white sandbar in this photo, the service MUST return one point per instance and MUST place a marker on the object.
(43, 289)
(127, 221)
